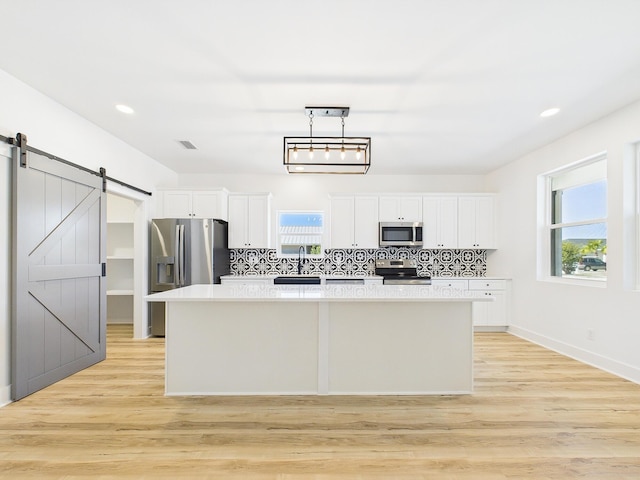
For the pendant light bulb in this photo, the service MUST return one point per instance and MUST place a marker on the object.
(311, 153)
(358, 153)
(343, 153)
(295, 152)
(326, 152)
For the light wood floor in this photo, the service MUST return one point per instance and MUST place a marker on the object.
(535, 415)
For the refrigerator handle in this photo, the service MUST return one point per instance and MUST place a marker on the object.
(177, 257)
(182, 248)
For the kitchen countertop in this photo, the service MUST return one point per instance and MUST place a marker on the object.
(316, 293)
(469, 278)
(271, 277)
(344, 277)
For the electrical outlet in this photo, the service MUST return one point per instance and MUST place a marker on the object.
(591, 335)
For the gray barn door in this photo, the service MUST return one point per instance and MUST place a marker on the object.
(59, 316)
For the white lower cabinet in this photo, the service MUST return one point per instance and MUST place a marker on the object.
(487, 316)
(491, 315)
(454, 283)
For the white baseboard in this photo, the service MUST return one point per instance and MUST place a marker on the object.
(609, 365)
(489, 329)
(5, 395)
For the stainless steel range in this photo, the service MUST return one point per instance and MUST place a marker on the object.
(402, 271)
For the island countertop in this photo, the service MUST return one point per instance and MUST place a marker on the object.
(316, 293)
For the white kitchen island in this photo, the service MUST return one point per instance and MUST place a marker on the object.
(318, 340)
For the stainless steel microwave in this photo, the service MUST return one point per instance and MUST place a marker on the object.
(400, 234)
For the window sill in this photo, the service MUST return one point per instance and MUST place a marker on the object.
(593, 282)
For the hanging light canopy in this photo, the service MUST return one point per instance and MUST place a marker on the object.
(343, 155)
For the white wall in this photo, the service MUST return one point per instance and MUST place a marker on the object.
(54, 129)
(559, 315)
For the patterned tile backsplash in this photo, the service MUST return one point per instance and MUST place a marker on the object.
(360, 262)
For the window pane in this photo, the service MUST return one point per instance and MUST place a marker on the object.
(579, 251)
(300, 230)
(295, 249)
(580, 203)
(300, 219)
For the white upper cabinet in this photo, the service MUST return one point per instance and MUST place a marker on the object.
(354, 221)
(400, 208)
(476, 221)
(176, 204)
(194, 204)
(249, 220)
(366, 216)
(209, 204)
(440, 219)
(342, 222)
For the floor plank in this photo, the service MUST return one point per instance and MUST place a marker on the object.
(534, 415)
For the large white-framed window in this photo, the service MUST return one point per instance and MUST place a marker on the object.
(575, 226)
(300, 232)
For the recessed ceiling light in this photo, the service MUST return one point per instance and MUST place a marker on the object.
(299, 168)
(125, 109)
(550, 112)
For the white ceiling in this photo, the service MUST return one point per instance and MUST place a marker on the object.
(441, 86)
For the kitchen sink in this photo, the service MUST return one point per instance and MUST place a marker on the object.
(296, 280)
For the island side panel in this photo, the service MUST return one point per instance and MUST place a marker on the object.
(408, 348)
(235, 348)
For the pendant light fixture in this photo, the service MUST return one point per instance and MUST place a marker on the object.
(342, 155)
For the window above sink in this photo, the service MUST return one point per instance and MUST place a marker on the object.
(298, 229)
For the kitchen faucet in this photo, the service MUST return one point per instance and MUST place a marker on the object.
(301, 253)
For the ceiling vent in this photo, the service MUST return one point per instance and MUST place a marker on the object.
(187, 144)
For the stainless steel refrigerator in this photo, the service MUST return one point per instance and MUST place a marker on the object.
(183, 252)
